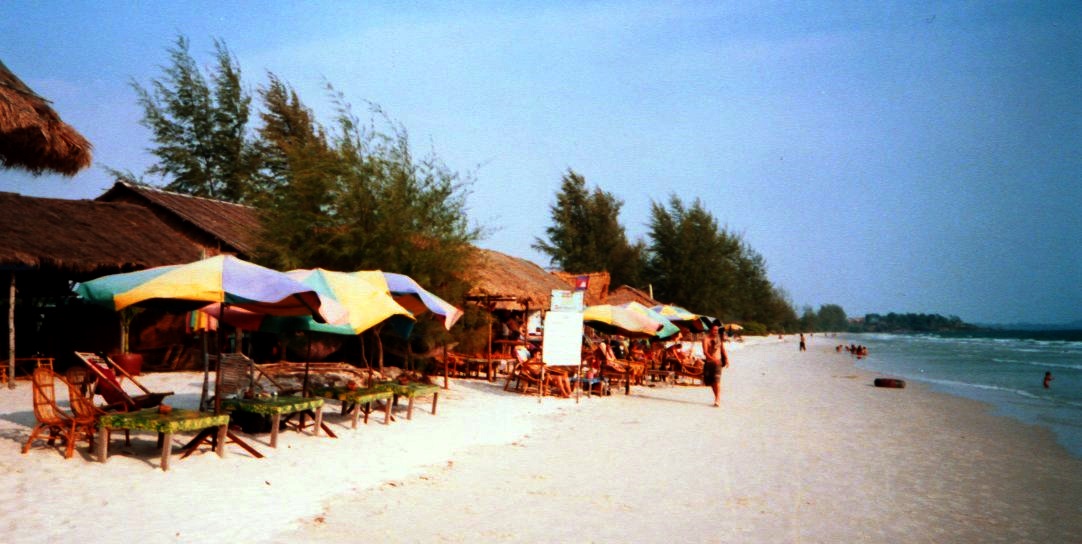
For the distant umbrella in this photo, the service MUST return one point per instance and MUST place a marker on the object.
(32, 136)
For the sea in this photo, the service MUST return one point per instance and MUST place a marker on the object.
(1001, 368)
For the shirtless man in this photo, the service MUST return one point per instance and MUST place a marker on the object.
(716, 360)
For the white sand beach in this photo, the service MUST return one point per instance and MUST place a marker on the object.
(803, 449)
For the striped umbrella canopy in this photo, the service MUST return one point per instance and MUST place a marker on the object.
(680, 316)
(221, 279)
(610, 319)
(667, 328)
(363, 305)
(412, 296)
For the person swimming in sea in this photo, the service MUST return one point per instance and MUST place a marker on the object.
(1047, 380)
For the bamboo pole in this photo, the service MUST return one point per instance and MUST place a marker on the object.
(11, 333)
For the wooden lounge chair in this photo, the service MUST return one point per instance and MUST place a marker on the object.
(108, 386)
(528, 376)
(59, 424)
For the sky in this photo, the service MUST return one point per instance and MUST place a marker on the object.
(882, 156)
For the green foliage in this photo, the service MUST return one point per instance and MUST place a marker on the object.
(893, 322)
(809, 320)
(696, 264)
(199, 128)
(586, 234)
(832, 318)
(358, 199)
(754, 328)
(354, 197)
(472, 330)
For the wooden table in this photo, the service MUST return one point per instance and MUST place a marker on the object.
(276, 407)
(410, 391)
(150, 419)
(353, 399)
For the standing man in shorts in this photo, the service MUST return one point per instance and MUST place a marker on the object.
(716, 359)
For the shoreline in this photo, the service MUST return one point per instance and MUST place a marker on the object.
(804, 448)
(936, 468)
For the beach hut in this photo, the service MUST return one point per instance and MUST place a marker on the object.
(32, 136)
(218, 226)
(49, 243)
(626, 293)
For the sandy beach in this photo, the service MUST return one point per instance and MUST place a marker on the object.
(803, 449)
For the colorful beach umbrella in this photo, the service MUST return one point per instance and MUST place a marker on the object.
(363, 305)
(412, 296)
(223, 279)
(610, 319)
(667, 327)
(680, 316)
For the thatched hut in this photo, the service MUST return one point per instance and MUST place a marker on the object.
(32, 136)
(504, 282)
(49, 243)
(597, 285)
(217, 226)
(626, 293)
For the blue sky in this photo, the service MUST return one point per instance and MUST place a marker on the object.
(909, 156)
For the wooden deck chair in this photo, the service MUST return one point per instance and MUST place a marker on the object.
(690, 369)
(116, 398)
(529, 377)
(522, 356)
(49, 416)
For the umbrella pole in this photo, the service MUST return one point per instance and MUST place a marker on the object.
(446, 378)
(379, 346)
(364, 359)
(206, 369)
(218, 365)
(307, 361)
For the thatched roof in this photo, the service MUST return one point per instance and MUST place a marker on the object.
(84, 237)
(597, 290)
(32, 136)
(626, 293)
(232, 228)
(510, 282)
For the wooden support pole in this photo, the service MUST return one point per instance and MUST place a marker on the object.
(11, 333)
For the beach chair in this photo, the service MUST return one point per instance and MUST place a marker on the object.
(49, 416)
(528, 377)
(110, 389)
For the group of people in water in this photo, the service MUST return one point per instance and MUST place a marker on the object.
(857, 350)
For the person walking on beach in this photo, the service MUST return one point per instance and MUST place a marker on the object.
(716, 359)
(803, 346)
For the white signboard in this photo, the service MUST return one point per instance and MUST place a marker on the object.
(562, 344)
(566, 301)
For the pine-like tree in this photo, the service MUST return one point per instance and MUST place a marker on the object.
(200, 129)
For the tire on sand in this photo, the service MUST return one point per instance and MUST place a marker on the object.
(892, 383)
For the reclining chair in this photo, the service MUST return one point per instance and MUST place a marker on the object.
(108, 386)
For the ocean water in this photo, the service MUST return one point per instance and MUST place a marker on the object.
(1006, 371)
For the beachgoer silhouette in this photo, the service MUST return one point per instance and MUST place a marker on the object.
(1047, 380)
